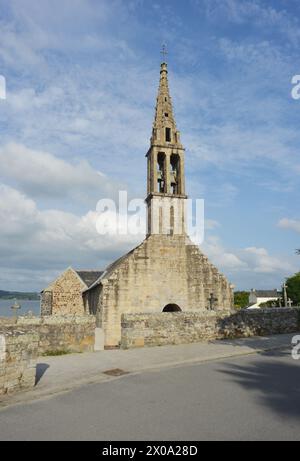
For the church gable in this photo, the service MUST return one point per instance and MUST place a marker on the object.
(160, 272)
(64, 295)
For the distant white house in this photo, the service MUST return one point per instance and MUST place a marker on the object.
(257, 297)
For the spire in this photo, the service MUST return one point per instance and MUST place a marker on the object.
(164, 127)
(165, 167)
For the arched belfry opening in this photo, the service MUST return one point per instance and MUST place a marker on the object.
(171, 308)
(175, 174)
(161, 172)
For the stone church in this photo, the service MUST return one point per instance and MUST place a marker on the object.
(166, 272)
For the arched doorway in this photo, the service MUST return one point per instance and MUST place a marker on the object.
(171, 308)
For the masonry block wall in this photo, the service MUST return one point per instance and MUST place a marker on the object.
(63, 296)
(168, 328)
(18, 354)
(70, 333)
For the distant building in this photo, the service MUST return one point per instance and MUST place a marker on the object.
(64, 294)
(257, 297)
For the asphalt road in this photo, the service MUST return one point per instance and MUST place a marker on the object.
(253, 397)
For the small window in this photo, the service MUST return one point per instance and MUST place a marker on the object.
(168, 134)
(166, 114)
(166, 99)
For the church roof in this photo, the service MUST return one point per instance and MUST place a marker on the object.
(110, 269)
(89, 276)
(267, 293)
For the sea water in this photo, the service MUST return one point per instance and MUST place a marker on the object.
(26, 305)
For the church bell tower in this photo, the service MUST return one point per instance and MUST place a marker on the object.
(166, 199)
(166, 272)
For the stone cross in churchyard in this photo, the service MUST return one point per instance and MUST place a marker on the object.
(285, 298)
(289, 302)
(212, 300)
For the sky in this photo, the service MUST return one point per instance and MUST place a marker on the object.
(81, 84)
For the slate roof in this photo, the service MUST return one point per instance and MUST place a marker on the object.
(111, 267)
(89, 277)
(267, 293)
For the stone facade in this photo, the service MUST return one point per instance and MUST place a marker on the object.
(168, 328)
(18, 353)
(64, 295)
(68, 333)
(162, 270)
(166, 271)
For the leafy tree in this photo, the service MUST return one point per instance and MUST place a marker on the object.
(293, 288)
(241, 299)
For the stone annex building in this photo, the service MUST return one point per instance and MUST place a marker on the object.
(166, 272)
(64, 295)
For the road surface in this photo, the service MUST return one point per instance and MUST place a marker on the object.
(253, 397)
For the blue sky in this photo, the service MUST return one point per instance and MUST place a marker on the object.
(82, 79)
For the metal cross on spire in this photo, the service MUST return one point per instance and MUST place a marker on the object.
(164, 52)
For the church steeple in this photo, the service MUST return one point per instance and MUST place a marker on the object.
(164, 125)
(165, 184)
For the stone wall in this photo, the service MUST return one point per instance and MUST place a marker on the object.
(18, 353)
(167, 328)
(68, 333)
(64, 295)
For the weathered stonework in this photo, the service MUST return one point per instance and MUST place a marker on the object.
(18, 354)
(162, 270)
(169, 328)
(64, 295)
(167, 271)
(70, 333)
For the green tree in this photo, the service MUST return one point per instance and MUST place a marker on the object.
(241, 299)
(293, 288)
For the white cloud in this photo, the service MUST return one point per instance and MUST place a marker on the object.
(35, 28)
(255, 12)
(49, 240)
(81, 88)
(242, 266)
(220, 257)
(40, 173)
(260, 261)
(291, 224)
